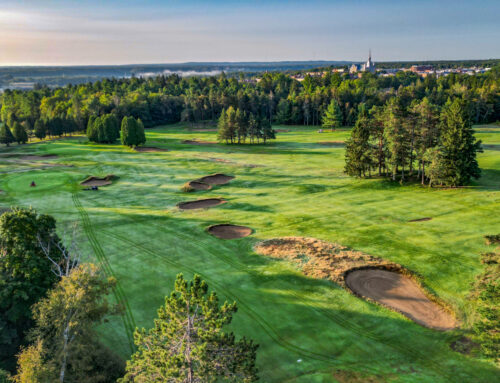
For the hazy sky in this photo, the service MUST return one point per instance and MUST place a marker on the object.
(164, 31)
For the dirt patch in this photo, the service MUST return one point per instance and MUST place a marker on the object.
(149, 149)
(420, 219)
(215, 179)
(203, 130)
(326, 260)
(196, 185)
(97, 181)
(464, 345)
(38, 158)
(227, 231)
(335, 144)
(282, 130)
(199, 142)
(200, 204)
(401, 293)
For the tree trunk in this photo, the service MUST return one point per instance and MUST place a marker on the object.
(64, 353)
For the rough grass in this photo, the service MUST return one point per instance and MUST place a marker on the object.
(297, 188)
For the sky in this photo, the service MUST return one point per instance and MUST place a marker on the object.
(90, 32)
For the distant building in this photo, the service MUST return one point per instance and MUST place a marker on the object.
(368, 66)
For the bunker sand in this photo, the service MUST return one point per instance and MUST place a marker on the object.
(199, 185)
(215, 179)
(227, 231)
(200, 204)
(97, 181)
(326, 260)
(400, 293)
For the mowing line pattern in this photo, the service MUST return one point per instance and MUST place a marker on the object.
(127, 317)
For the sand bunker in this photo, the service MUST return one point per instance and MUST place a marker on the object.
(200, 204)
(420, 219)
(215, 179)
(38, 158)
(326, 260)
(197, 142)
(149, 149)
(227, 231)
(96, 181)
(199, 185)
(401, 293)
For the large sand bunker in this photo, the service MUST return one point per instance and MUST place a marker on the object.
(149, 149)
(97, 181)
(215, 179)
(401, 293)
(200, 204)
(199, 142)
(326, 260)
(227, 231)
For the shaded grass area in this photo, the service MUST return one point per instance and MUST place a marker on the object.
(297, 189)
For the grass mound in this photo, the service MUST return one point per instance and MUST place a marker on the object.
(149, 149)
(32, 157)
(98, 181)
(227, 231)
(199, 142)
(200, 204)
(420, 219)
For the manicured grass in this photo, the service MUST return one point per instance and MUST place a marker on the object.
(295, 187)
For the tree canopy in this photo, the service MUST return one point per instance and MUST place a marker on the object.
(132, 132)
(187, 343)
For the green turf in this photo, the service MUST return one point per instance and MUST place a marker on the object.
(294, 187)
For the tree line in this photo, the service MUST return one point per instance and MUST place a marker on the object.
(106, 130)
(51, 303)
(275, 96)
(235, 126)
(435, 145)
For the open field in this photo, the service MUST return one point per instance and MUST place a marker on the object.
(309, 330)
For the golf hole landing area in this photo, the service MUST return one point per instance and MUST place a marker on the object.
(200, 204)
(227, 231)
(401, 293)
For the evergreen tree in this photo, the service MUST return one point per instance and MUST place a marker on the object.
(187, 343)
(19, 133)
(397, 138)
(457, 144)
(358, 155)
(241, 125)
(132, 132)
(111, 128)
(267, 131)
(92, 133)
(332, 119)
(427, 132)
(40, 130)
(6, 136)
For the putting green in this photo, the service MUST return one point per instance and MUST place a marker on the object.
(308, 330)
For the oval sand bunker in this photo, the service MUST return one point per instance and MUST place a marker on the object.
(200, 204)
(216, 179)
(199, 185)
(229, 231)
(400, 293)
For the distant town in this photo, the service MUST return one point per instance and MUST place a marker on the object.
(358, 70)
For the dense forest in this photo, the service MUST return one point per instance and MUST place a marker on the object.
(275, 96)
